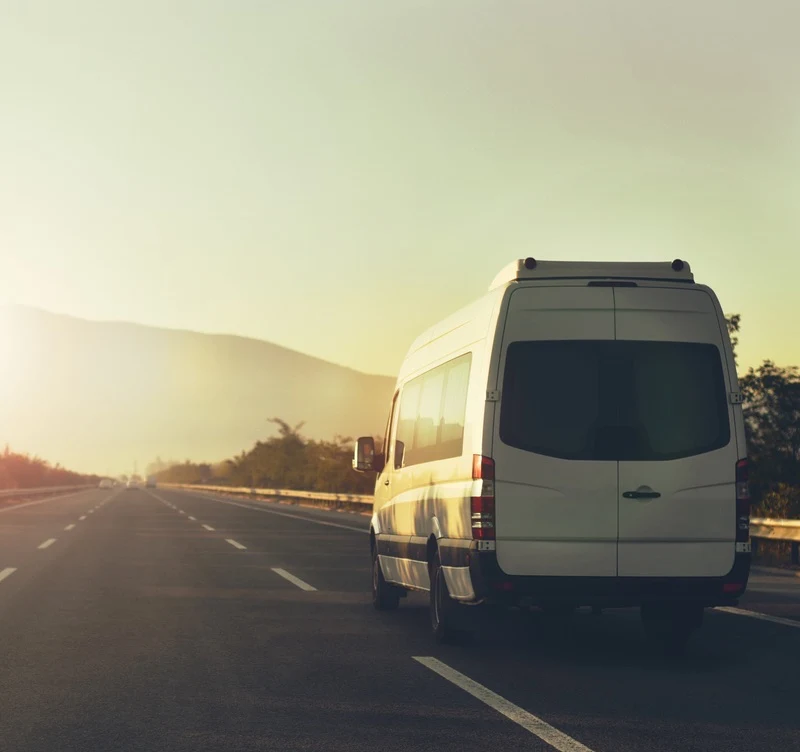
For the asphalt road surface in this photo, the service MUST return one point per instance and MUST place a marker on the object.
(167, 620)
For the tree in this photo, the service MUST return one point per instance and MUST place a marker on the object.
(287, 460)
(24, 471)
(772, 420)
(733, 321)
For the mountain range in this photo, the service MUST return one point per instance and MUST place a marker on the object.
(101, 396)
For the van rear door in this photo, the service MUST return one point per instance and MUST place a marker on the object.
(677, 467)
(556, 504)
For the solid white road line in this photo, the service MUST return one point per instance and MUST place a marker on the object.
(283, 514)
(193, 519)
(49, 542)
(294, 580)
(547, 733)
(235, 544)
(82, 517)
(762, 617)
(7, 572)
(209, 528)
(69, 527)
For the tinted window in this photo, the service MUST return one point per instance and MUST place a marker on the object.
(430, 410)
(386, 449)
(455, 402)
(407, 420)
(614, 400)
(432, 413)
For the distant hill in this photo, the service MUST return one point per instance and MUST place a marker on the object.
(96, 396)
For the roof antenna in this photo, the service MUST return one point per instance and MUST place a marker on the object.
(530, 263)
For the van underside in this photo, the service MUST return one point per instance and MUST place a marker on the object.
(493, 585)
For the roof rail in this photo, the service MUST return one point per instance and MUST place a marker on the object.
(529, 268)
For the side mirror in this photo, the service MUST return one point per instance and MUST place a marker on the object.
(364, 458)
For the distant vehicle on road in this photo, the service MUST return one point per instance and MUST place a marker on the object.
(134, 483)
(151, 482)
(106, 483)
(574, 438)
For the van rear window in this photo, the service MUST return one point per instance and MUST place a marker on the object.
(614, 400)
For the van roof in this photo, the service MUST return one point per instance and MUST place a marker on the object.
(529, 268)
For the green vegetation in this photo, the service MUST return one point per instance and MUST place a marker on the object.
(24, 471)
(287, 460)
(772, 419)
(772, 422)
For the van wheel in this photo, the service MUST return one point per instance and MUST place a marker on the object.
(385, 597)
(443, 609)
(670, 627)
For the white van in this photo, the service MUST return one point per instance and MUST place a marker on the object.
(573, 438)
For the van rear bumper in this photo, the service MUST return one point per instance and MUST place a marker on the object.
(491, 584)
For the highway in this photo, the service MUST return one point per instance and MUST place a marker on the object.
(170, 620)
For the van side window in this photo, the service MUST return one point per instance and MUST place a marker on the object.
(432, 414)
(455, 405)
(406, 421)
(390, 423)
(430, 410)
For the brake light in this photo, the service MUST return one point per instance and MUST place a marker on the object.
(482, 501)
(482, 468)
(742, 502)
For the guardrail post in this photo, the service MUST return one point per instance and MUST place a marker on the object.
(795, 552)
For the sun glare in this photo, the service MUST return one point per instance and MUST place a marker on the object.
(12, 347)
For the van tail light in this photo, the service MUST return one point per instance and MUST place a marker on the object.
(482, 468)
(482, 501)
(742, 502)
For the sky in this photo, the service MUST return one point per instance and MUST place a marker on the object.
(335, 176)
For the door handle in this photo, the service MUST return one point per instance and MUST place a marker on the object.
(642, 494)
(386, 482)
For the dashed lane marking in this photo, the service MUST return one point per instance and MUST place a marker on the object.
(294, 580)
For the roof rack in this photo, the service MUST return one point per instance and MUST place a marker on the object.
(529, 268)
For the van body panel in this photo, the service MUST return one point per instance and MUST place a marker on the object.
(404, 571)
(733, 377)
(555, 516)
(694, 516)
(587, 557)
(459, 583)
(675, 558)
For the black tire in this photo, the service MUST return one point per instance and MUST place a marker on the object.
(444, 611)
(670, 628)
(385, 597)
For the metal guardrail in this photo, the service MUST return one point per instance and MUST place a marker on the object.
(772, 529)
(11, 493)
(281, 493)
